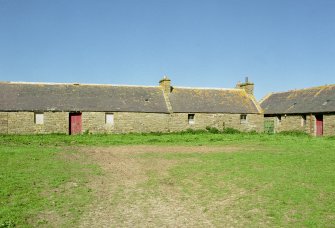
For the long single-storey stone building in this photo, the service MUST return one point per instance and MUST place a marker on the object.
(311, 110)
(38, 108)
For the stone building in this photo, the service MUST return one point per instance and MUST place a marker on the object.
(310, 110)
(38, 108)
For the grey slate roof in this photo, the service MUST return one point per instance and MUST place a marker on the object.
(115, 98)
(211, 101)
(312, 100)
(70, 97)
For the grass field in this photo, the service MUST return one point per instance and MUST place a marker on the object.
(183, 179)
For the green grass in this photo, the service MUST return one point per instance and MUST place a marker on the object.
(272, 180)
(291, 186)
(285, 180)
(183, 138)
(36, 179)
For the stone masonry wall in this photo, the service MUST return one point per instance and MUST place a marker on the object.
(329, 124)
(179, 121)
(3, 123)
(125, 122)
(311, 125)
(94, 122)
(294, 123)
(24, 123)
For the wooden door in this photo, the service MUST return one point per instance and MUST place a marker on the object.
(269, 126)
(75, 123)
(319, 125)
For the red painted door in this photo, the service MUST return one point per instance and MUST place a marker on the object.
(319, 125)
(75, 123)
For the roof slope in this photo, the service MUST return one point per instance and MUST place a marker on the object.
(312, 100)
(71, 97)
(199, 100)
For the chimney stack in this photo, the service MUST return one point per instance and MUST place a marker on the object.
(247, 86)
(165, 83)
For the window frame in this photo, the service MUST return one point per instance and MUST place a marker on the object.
(109, 114)
(191, 118)
(243, 118)
(39, 118)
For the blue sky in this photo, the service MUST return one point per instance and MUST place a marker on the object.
(279, 44)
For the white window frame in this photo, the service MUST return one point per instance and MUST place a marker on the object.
(191, 119)
(39, 118)
(243, 118)
(109, 118)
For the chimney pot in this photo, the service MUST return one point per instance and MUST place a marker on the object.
(165, 83)
(247, 86)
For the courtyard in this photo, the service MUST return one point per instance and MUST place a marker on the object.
(189, 179)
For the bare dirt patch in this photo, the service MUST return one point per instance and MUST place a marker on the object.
(128, 194)
(137, 149)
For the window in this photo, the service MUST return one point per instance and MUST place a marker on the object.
(279, 119)
(39, 118)
(303, 120)
(191, 119)
(243, 119)
(109, 118)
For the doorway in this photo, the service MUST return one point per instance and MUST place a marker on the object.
(269, 126)
(75, 123)
(319, 125)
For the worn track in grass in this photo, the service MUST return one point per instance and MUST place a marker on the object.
(126, 198)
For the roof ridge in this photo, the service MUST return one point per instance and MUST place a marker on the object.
(73, 83)
(116, 85)
(204, 88)
(309, 88)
